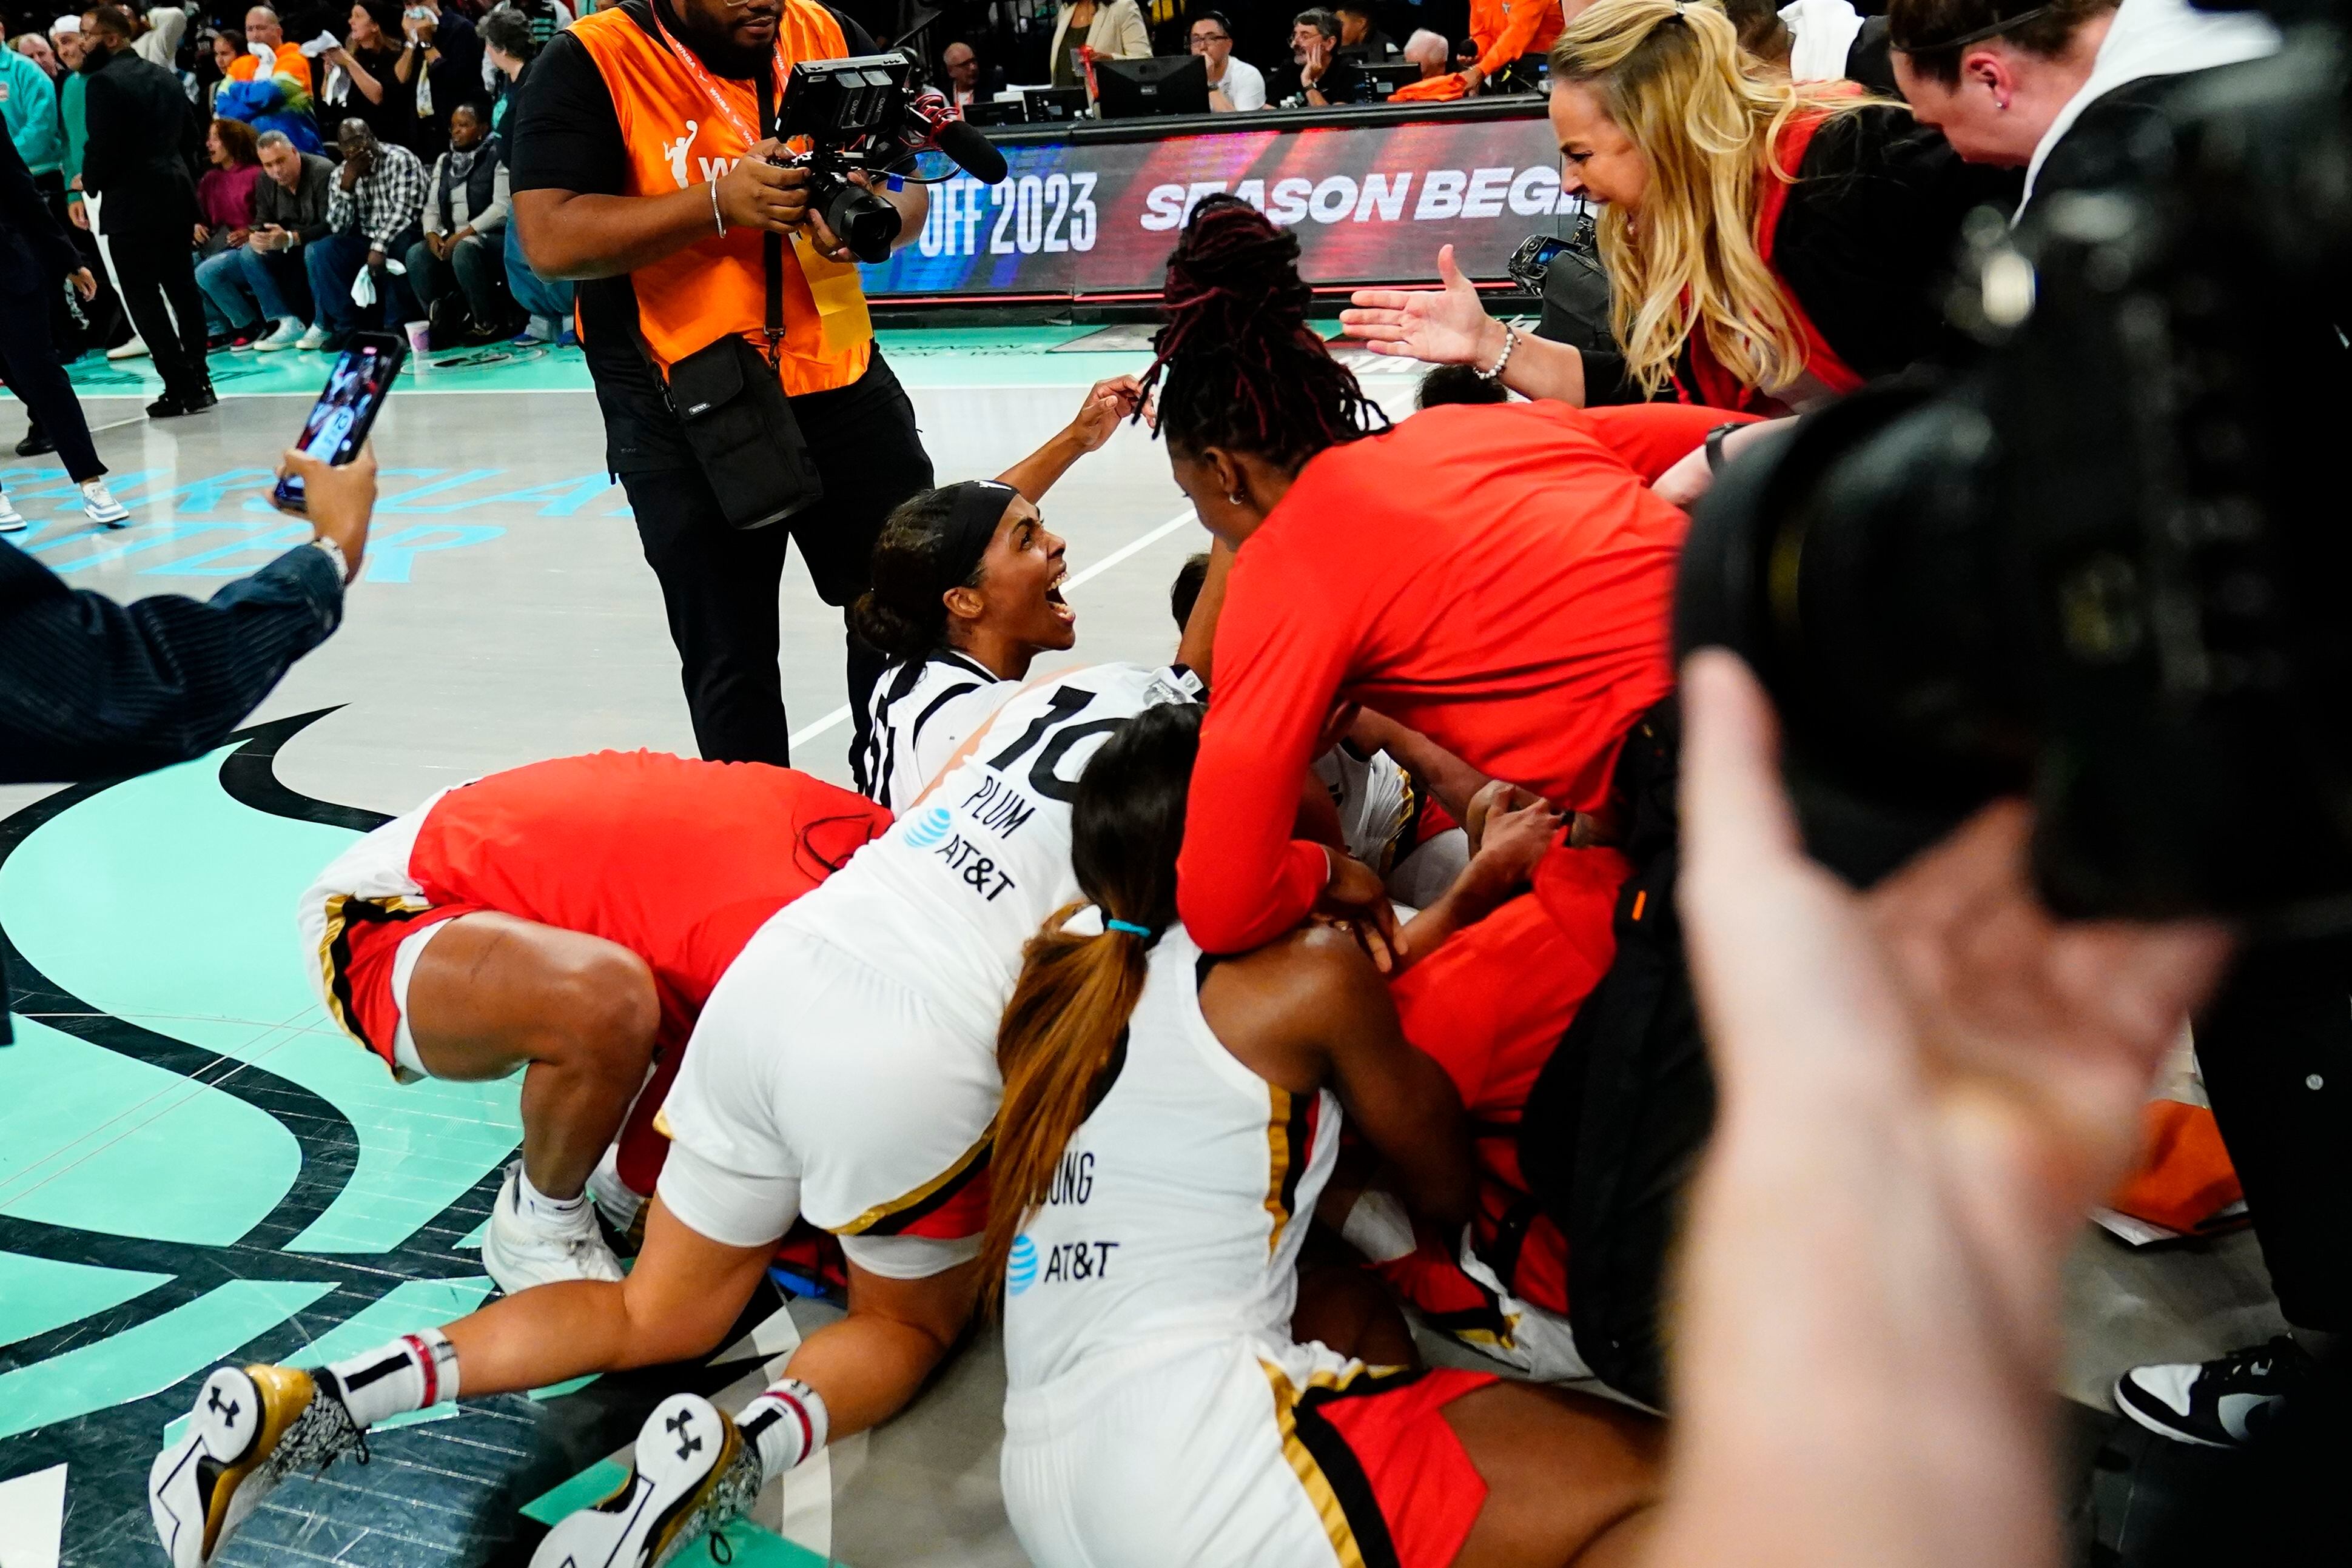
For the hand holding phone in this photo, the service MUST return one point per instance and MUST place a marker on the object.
(338, 498)
(340, 420)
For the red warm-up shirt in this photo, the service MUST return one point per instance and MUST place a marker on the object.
(1499, 579)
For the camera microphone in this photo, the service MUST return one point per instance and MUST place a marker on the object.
(936, 126)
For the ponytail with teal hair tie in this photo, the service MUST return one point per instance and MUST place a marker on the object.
(1130, 928)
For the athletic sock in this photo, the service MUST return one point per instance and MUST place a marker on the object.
(535, 1202)
(413, 1372)
(784, 1426)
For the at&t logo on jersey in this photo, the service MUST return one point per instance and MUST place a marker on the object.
(928, 828)
(1021, 1265)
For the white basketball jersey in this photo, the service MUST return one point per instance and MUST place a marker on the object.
(1181, 1202)
(921, 712)
(947, 899)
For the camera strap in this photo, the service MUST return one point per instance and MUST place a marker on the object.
(772, 243)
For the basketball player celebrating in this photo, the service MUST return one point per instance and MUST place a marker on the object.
(1169, 1124)
(844, 1070)
(967, 591)
(568, 918)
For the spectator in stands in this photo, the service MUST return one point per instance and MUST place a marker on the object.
(260, 286)
(961, 64)
(463, 249)
(1360, 38)
(370, 57)
(228, 46)
(139, 123)
(1763, 293)
(373, 212)
(1111, 29)
(265, 41)
(161, 28)
(28, 107)
(225, 197)
(509, 47)
(1313, 46)
(35, 47)
(2053, 89)
(1429, 51)
(1234, 83)
(441, 65)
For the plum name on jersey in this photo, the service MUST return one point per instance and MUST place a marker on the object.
(998, 807)
(975, 870)
(1076, 1260)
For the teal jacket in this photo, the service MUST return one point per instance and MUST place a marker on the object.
(30, 112)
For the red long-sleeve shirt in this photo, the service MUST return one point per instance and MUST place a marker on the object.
(1499, 579)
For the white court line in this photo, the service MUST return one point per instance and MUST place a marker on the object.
(1075, 580)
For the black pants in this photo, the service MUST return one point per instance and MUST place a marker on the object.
(29, 359)
(153, 268)
(720, 583)
(2276, 1053)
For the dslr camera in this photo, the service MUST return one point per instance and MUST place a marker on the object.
(2106, 565)
(868, 113)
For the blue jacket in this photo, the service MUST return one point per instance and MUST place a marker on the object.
(30, 112)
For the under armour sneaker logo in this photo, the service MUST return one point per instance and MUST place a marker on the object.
(688, 1443)
(226, 1412)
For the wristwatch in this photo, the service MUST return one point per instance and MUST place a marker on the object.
(1715, 444)
(333, 552)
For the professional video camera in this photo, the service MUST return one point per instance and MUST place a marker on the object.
(2107, 566)
(868, 114)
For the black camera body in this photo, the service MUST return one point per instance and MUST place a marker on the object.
(2106, 565)
(854, 114)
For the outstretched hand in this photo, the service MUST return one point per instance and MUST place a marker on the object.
(1108, 404)
(1447, 325)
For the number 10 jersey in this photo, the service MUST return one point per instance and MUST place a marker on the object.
(946, 900)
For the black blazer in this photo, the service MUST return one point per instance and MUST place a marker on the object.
(34, 252)
(141, 123)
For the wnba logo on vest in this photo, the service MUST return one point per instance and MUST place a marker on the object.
(676, 152)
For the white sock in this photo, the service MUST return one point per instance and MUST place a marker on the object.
(784, 1426)
(413, 1373)
(1378, 1226)
(533, 1201)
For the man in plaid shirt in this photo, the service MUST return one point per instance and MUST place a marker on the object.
(372, 213)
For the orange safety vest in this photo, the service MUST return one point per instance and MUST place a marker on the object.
(677, 137)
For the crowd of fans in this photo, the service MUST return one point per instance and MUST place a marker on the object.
(265, 164)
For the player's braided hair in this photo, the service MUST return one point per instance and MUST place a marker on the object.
(1238, 366)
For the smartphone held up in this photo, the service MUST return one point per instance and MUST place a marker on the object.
(340, 420)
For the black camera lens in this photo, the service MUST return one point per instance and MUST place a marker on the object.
(867, 223)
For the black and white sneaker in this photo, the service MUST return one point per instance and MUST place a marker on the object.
(2219, 1404)
(251, 1428)
(694, 1473)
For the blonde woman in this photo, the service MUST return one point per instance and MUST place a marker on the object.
(1113, 29)
(1771, 244)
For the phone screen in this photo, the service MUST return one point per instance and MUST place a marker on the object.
(340, 419)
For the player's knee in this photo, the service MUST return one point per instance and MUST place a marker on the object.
(609, 1010)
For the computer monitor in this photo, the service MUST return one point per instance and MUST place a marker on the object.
(1047, 105)
(1374, 81)
(1164, 84)
(991, 112)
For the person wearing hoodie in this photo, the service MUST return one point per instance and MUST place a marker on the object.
(2047, 88)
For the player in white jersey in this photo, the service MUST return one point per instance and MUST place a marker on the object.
(967, 591)
(1168, 1125)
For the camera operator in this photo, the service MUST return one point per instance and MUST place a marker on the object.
(642, 166)
(2055, 90)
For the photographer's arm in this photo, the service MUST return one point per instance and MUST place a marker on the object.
(575, 235)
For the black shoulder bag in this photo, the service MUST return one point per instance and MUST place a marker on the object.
(737, 419)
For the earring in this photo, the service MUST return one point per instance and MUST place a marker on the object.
(1237, 498)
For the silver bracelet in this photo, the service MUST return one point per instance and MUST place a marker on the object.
(333, 552)
(716, 216)
(1510, 343)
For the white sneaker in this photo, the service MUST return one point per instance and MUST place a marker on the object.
(694, 1473)
(98, 505)
(287, 334)
(526, 1246)
(250, 1427)
(316, 338)
(621, 1205)
(134, 350)
(11, 522)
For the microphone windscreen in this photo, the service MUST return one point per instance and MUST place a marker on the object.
(976, 155)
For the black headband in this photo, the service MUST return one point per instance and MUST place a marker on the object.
(979, 506)
(1977, 36)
